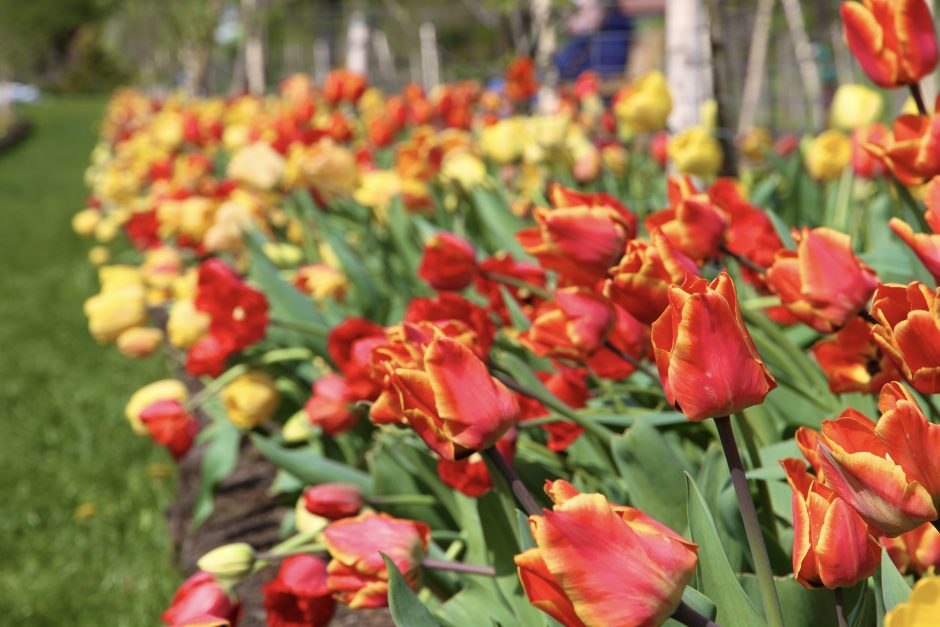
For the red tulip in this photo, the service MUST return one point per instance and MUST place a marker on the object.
(298, 596)
(491, 289)
(852, 361)
(333, 500)
(629, 336)
(448, 306)
(822, 283)
(915, 551)
(449, 262)
(569, 385)
(579, 241)
(331, 406)
(445, 393)
(864, 163)
(925, 245)
(832, 545)
(908, 331)
(707, 361)
(350, 345)
(640, 283)
(521, 83)
(357, 575)
(893, 40)
(170, 425)
(587, 548)
(692, 223)
(889, 472)
(911, 150)
(200, 597)
(572, 326)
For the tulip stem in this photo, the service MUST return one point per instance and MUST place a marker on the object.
(918, 97)
(744, 261)
(755, 538)
(840, 607)
(402, 499)
(459, 567)
(686, 615)
(630, 359)
(515, 484)
(303, 327)
(518, 283)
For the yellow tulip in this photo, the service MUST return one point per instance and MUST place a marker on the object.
(828, 154)
(645, 105)
(186, 325)
(504, 141)
(250, 399)
(85, 221)
(139, 342)
(114, 311)
(463, 168)
(376, 190)
(922, 609)
(162, 390)
(695, 152)
(854, 106)
(258, 166)
(99, 255)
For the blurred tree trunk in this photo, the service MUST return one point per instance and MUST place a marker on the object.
(809, 71)
(756, 65)
(721, 80)
(687, 64)
(254, 45)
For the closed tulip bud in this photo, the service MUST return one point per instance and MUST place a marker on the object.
(916, 551)
(201, 601)
(258, 166)
(696, 152)
(163, 390)
(357, 575)
(186, 325)
(640, 282)
(822, 283)
(333, 500)
(854, 106)
(586, 547)
(85, 221)
(832, 545)
(908, 328)
(886, 471)
(297, 428)
(170, 425)
(107, 230)
(112, 312)
(139, 342)
(331, 406)
(99, 255)
(893, 41)
(250, 399)
(574, 325)
(615, 158)
(707, 361)
(229, 562)
(827, 155)
(449, 262)
(693, 223)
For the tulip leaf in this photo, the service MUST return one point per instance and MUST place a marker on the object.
(218, 460)
(660, 494)
(310, 467)
(802, 607)
(516, 316)
(894, 587)
(698, 602)
(498, 222)
(715, 576)
(406, 609)
(402, 230)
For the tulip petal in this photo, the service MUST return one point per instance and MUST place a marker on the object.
(845, 551)
(543, 590)
(913, 443)
(865, 38)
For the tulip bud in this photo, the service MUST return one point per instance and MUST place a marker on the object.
(333, 500)
(232, 561)
(201, 601)
(854, 106)
(165, 389)
(449, 262)
(696, 152)
(99, 255)
(139, 342)
(250, 399)
(828, 154)
(258, 166)
(572, 326)
(186, 325)
(85, 221)
(114, 311)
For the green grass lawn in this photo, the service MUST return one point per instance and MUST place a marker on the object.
(63, 439)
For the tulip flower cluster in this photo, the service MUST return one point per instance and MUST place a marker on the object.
(424, 307)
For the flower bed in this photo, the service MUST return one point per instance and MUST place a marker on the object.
(463, 335)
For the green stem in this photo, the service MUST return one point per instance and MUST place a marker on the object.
(303, 327)
(403, 499)
(522, 494)
(215, 386)
(840, 607)
(755, 538)
(519, 283)
(763, 489)
(304, 549)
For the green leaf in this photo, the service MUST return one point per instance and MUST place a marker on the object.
(499, 223)
(698, 602)
(716, 578)
(516, 316)
(219, 459)
(407, 610)
(661, 494)
(310, 467)
(801, 606)
(894, 587)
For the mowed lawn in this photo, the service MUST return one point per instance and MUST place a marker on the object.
(82, 535)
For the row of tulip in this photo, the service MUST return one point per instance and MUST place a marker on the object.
(437, 316)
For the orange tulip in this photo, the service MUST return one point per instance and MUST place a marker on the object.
(852, 361)
(908, 330)
(582, 236)
(449, 262)
(912, 151)
(588, 548)
(640, 282)
(925, 245)
(893, 40)
(822, 283)
(692, 223)
(751, 234)
(889, 472)
(915, 551)
(706, 358)
(572, 326)
(357, 575)
(864, 163)
(445, 393)
(832, 545)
